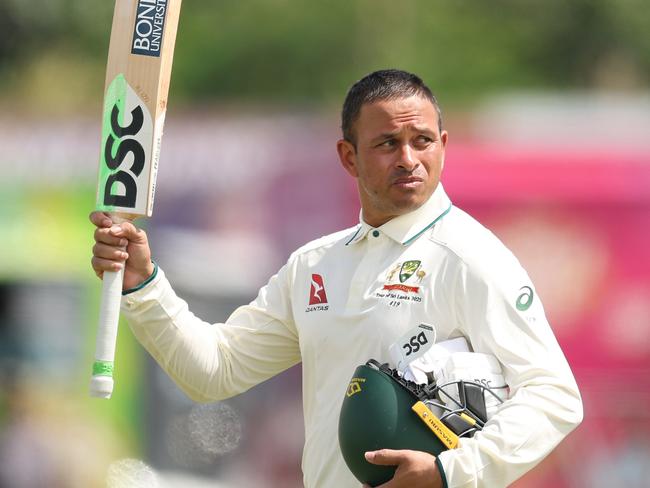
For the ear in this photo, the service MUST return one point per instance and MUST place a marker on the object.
(444, 136)
(347, 156)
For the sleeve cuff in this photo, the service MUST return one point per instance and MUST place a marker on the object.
(441, 470)
(145, 282)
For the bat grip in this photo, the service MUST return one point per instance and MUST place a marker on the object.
(101, 382)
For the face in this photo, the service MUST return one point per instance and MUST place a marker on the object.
(398, 157)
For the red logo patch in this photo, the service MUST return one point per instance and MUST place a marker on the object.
(404, 288)
(317, 294)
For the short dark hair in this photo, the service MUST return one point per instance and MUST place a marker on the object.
(387, 84)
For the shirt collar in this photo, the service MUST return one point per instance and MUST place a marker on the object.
(406, 228)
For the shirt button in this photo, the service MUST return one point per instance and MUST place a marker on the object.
(375, 233)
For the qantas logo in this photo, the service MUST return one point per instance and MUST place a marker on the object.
(317, 295)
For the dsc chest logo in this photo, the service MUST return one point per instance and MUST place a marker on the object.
(317, 295)
(412, 345)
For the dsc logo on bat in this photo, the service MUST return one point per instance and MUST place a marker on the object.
(128, 167)
(121, 144)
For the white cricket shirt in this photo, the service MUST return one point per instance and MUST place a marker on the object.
(344, 299)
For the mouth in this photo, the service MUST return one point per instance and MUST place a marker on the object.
(407, 182)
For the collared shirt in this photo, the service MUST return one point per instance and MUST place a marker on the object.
(346, 298)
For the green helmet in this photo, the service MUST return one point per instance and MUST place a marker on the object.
(383, 410)
(377, 414)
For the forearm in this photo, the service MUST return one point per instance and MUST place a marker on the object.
(524, 430)
(208, 361)
(186, 347)
(544, 403)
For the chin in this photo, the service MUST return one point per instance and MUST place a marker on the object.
(409, 205)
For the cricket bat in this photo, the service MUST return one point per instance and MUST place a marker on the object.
(135, 100)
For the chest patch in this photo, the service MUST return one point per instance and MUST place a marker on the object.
(317, 295)
(403, 282)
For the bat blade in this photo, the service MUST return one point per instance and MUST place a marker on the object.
(138, 74)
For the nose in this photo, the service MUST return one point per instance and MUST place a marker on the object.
(407, 158)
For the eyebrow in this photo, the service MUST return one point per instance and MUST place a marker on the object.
(385, 135)
(424, 129)
(389, 135)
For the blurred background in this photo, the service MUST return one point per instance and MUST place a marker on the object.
(548, 108)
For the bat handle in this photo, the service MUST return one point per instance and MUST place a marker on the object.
(101, 383)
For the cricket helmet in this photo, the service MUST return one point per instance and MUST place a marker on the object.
(382, 410)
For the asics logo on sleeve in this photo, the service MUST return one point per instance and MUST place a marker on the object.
(525, 300)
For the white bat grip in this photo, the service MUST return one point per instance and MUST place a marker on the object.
(101, 383)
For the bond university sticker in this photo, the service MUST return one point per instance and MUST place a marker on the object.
(149, 27)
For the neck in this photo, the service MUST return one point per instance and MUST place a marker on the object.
(375, 220)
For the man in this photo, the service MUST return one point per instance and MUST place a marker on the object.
(347, 297)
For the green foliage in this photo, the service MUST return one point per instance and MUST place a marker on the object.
(308, 53)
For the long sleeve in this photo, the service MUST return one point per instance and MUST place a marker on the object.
(215, 361)
(500, 312)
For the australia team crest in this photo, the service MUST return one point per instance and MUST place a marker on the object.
(405, 277)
